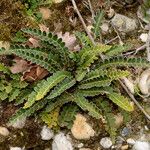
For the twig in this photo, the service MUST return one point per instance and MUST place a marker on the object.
(134, 100)
(83, 23)
(92, 39)
(148, 45)
(91, 9)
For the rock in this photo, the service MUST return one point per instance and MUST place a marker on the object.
(118, 120)
(123, 23)
(81, 129)
(4, 131)
(80, 145)
(144, 37)
(139, 145)
(124, 147)
(126, 131)
(111, 13)
(46, 133)
(57, 1)
(106, 142)
(19, 124)
(105, 27)
(130, 141)
(16, 148)
(61, 142)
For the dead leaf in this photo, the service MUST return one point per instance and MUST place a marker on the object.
(20, 65)
(34, 42)
(43, 28)
(34, 73)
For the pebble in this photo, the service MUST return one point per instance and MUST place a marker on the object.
(45, 12)
(123, 23)
(118, 120)
(80, 145)
(61, 142)
(4, 131)
(131, 141)
(84, 149)
(16, 148)
(81, 129)
(139, 145)
(46, 133)
(105, 27)
(144, 37)
(124, 147)
(106, 142)
(126, 131)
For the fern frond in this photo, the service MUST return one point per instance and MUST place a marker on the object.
(58, 102)
(117, 50)
(51, 119)
(121, 61)
(14, 94)
(121, 101)
(51, 39)
(92, 92)
(4, 69)
(100, 82)
(67, 115)
(45, 59)
(22, 113)
(61, 87)
(80, 74)
(110, 125)
(83, 38)
(42, 88)
(84, 104)
(97, 23)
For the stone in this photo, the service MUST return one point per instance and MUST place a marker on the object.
(106, 142)
(123, 23)
(81, 129)
(16, 148)
(126, 131)
(118, 120)
(4, 131)
(124, 147)
(131, 141)
(46, 13)
(105, 27)
(46, 133)
(61, 142)
(144, 37)
(139, 145)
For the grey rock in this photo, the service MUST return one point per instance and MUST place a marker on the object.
(140, 145)
(126, 131)
(61, 142)
(106, 142)
(46, 133)
(123, 23)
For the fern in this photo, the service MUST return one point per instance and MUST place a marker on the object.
(110, 125)
(22, 113)
(97, 23)
(121, 101)
(44, 87)
(121, 61)
(52, 40)
(117, 50)
(61, 87)
(4, 69)
(85, 105)
(67, 115)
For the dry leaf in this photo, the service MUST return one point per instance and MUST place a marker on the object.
(34, 73)
(34, 42)
(20, 65)
(43, 28)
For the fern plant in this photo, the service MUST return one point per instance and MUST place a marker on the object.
(75, 80)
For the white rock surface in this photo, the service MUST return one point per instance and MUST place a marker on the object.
(139, 145)
(131, 141)
(46, 133)
(106, 142)
(4, 131)
(16, 148)
(19, 124)
(144, 37)
(81, 129)
(105, 27)
(123, 23)
(61, 142)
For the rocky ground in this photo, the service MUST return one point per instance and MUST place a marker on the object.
(124, 23)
